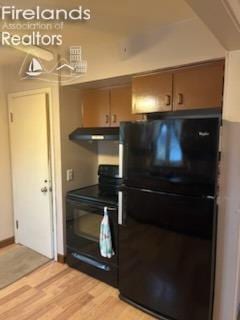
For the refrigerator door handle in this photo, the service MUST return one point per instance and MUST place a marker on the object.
(121, 154)
(120, 207)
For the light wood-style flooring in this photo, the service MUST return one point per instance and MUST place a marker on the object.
(58, 292)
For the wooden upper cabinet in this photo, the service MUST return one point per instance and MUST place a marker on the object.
(194, 87)
(198, 87)
(96, 108)
(121, 105)
(107, 106)
(152, 93)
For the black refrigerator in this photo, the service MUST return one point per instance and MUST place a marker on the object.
(167, 216)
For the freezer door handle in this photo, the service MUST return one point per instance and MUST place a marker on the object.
(121, 208)
(123, 155)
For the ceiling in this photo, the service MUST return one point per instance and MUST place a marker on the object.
(233, 9)
(123, 19)
(222, 17)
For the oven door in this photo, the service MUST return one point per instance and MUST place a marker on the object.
(83, 229)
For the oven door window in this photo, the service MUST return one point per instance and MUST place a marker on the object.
(86, 224)
(83, 228)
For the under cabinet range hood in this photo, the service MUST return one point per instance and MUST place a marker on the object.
(95, 134)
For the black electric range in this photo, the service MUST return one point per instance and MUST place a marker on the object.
(94, 194)
(85, 210)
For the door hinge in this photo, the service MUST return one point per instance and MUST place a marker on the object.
(17, 224)
(11, 116)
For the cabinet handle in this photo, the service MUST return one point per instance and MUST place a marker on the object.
(107, 119)
(167, 99)
(180, 98)
(114, 118)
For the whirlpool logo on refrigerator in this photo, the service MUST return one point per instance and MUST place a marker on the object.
(203, 134)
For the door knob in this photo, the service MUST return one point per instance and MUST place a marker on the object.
(44, 190)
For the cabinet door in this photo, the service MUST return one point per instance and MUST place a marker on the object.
(152, 93)
(96, 108)
(121, 105)
(199, 87)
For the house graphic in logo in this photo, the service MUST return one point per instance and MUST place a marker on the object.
(65, 66)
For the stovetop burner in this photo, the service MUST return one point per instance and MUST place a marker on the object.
(94, 193)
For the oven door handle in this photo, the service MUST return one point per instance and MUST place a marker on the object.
(91, 262)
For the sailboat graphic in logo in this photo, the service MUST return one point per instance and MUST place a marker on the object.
(35, 68)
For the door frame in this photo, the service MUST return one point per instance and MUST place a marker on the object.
(51, 152)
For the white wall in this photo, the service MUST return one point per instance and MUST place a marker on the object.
(177, 44)
(6, 215)
(108, 152)
(227, 296)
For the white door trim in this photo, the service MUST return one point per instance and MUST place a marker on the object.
(52, 168)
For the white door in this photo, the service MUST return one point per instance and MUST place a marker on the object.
(31, 173)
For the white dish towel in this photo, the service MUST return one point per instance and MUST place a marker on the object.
(106, 248)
